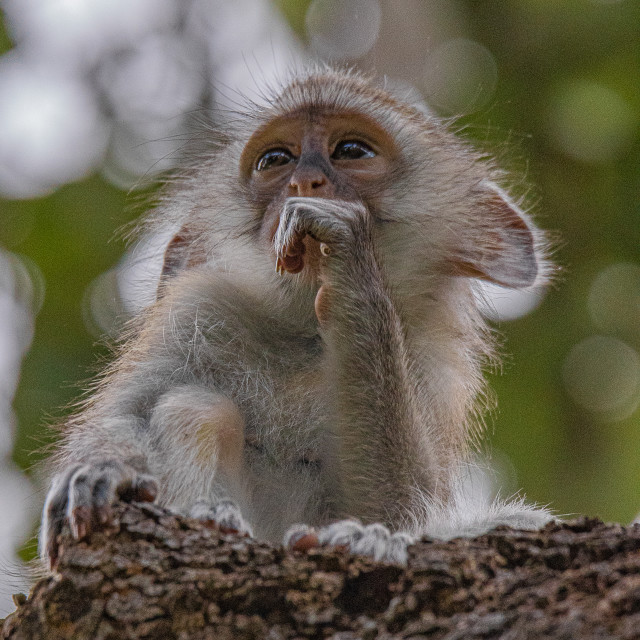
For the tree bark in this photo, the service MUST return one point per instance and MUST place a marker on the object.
(155, 575)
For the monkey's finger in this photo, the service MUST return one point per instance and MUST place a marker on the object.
(145, 488)
(301, 537)
(322, 304)
(108, 477)
(225, 515)
(80, 505)
(344, 533)
(397, 551)
(54, 514)
(138, 488)
(228, 517)
(373, 542)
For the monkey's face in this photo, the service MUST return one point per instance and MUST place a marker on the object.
(433, 204)
(323, 154)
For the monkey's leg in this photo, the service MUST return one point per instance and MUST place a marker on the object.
(204, 430)
(383, 455)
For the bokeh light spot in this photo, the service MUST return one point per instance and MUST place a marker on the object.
(16, 320)
(102, 309)
(589, 121)
(343, 28)
(51, 130)
(499, 303)
(140, 269)
(614, 298)
(152, 80)
(602, 375)
(460, 76)
(77, 33)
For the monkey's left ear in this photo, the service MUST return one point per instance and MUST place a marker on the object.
(506, 251)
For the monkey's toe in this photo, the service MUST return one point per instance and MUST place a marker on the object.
(301, 537)
(224, 514)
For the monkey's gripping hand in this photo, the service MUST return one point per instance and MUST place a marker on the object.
(83, 495)
(337, 225)
(373, 540)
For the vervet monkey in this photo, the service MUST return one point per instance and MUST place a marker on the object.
(312, 366)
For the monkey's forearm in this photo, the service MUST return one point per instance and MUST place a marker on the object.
(382, 454)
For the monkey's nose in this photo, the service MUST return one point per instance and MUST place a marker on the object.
(310, 184)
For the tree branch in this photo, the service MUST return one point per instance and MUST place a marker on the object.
(159, 576)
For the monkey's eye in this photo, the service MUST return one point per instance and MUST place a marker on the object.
(352, 150)
(273, 158)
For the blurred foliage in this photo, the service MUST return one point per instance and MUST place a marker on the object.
(564, 456)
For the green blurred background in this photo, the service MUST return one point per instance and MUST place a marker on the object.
(565, 118)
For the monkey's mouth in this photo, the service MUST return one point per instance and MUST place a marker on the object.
(302, 253)
(303, 256)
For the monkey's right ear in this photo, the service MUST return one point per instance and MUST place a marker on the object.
(176, 254)
(181, 253)
(506, 250)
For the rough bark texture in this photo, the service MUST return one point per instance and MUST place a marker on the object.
(158, 576)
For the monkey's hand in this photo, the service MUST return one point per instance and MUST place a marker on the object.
(343, 231)
(337, 225)
(83, 495)
(373, 540)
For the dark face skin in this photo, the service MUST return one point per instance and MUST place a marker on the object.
(325, 155)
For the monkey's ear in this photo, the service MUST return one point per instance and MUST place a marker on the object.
(181, 253)
(506, 251)
(176, 255)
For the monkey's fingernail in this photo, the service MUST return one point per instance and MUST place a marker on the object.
(325, 249)
(304, 542)
(146, 490)
(228, 530)
(279, 266)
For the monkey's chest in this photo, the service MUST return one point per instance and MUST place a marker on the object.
(286, 424)
(282, 396)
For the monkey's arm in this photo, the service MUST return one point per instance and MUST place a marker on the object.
(382, 456)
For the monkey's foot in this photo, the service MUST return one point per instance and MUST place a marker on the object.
(373, 540)
(83, 495)
(224, 514)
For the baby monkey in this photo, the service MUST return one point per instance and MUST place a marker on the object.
(331, 400)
